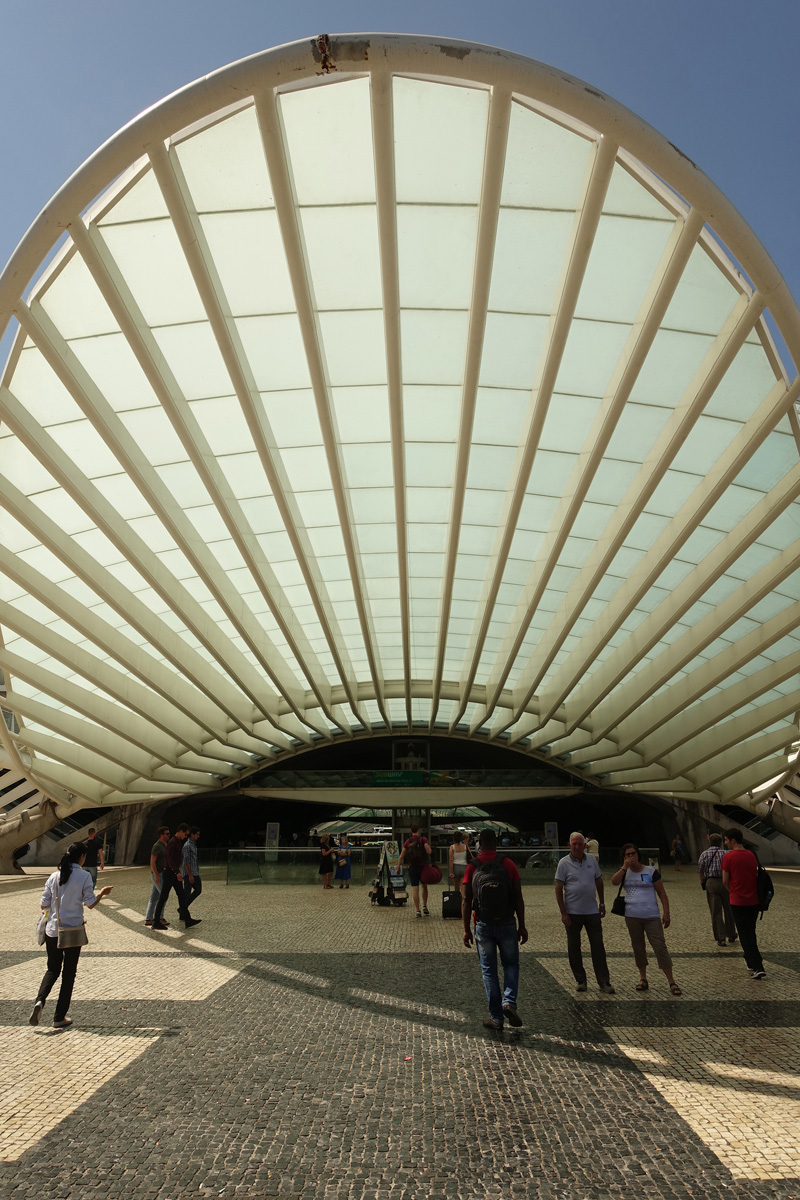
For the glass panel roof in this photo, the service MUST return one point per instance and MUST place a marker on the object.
(337, 414)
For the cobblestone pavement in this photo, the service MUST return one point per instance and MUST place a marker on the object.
(301, 1043)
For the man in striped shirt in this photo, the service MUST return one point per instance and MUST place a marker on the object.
(709, 868)
(192, 883)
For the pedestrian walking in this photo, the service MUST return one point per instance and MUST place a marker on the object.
(709, 868)
(492, 895)
(677, 851)
(67, 892)
(172, 880)
(458, 856)
(156, 867)
(417, 851)
(192, 883)
(643, 890)
(740, 876)
(94, 855)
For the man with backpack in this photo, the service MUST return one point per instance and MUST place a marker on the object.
(417, 853)
(740, 875)
(492, 891)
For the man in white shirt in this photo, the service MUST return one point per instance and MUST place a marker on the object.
(578, 877)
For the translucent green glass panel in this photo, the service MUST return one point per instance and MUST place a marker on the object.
(703, 298)
(41, 392)
(74, 302)
(148, 251)
(247, 251)
(529, 257)
(337, 120)
(224, 165)
(440, 134)
(545, 163)
(628, 196)
(512, 347)
(624, 258)
(436, 252)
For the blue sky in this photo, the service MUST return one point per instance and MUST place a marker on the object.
(717, 77)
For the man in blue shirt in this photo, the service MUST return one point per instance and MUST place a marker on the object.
(578, 877)
(192, 883)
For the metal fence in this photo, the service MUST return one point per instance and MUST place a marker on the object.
(296, 864)
(289, 864)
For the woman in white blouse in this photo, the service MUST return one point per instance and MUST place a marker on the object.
(459, 856)
(65, 894)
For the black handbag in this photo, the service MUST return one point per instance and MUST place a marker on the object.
(618, 907)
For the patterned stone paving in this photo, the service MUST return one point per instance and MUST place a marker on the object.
(301, 1043)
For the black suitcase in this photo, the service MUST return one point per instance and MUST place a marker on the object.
(451, 904)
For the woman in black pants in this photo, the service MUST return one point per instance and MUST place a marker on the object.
(66, 893)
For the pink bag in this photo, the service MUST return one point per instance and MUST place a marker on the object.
(430, 874)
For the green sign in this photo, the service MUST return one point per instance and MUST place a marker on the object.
(398, 778)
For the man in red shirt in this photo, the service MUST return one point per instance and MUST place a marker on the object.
(493, 891)
(740, 877)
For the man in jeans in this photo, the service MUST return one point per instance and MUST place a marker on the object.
(192, 883)
(171, 877)
(578, 876)
(740, 877)
(156, 867)
(503, 934)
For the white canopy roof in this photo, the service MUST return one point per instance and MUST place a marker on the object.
(389, 382)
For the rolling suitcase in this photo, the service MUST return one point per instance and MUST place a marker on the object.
(451, 904)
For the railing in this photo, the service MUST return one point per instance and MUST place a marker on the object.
(537, 864)
(296, 864)
(289, 864)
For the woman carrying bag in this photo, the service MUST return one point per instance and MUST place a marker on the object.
(643, 890)
(66, 893)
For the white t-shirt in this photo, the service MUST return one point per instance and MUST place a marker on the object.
(640, 893)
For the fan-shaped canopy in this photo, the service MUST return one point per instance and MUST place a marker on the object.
(387, 382)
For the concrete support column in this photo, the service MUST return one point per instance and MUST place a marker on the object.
(29, 825)
(695, 819)
(129, 833)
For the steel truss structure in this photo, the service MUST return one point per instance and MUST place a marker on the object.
(386, 383)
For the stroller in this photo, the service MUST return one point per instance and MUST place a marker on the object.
(388, 886)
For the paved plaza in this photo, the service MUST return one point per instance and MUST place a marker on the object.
(301, 1043)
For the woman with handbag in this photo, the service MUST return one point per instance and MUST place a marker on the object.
(66, 893)
(643, 890)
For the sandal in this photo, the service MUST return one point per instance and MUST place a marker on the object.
(676, 991)
(642, 985)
